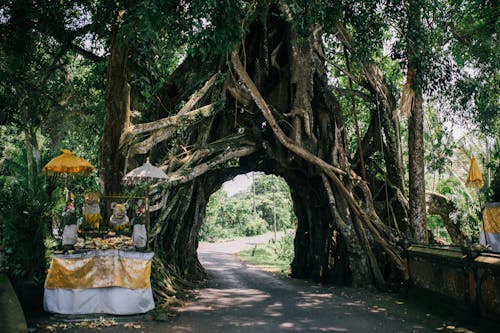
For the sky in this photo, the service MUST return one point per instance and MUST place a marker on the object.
(237, 184)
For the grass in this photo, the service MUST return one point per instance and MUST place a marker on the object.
(264, 256)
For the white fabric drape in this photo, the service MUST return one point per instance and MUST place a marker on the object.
(113, 300)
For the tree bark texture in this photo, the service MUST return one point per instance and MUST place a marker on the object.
(273, 111)
(416, 127)
(438, 204)
(416, 170)
(112, 162)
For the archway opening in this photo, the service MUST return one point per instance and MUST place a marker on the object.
(255, 212)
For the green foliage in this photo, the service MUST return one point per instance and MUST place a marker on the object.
(472, 26)
(492, 193)
(263, 256)
(436, 225)
(273, 194)
(25, 218)
(283, 248)
(219, 24)
(78, 123)
(233, 216)
(198, 27)
(468, 214)
(253, 225)
(439, 141)
(34, 48)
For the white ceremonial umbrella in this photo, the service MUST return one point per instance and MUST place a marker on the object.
(145, 173)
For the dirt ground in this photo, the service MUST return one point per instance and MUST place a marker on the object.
(240, 297)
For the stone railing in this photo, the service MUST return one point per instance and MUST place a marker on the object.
(466, 280)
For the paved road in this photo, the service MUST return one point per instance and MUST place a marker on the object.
(242, 298)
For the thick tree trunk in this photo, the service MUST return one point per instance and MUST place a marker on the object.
(117, 119)
(322, 251)
(416, 170)
(416, 125)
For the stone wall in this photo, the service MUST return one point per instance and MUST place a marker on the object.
(467, 280)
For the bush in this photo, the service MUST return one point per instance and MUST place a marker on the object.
(25, 217)
(26, 223)
(254, 226)
(436, 225)
(284, 248)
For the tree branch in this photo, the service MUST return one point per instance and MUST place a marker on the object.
(344, 36)
(379, 279)
(87, 54)
(162, 133)
(176, 120)
(354, 92)
(183, 176)
(353, 77)
(197, 95)
(185, 115)
(215, 147)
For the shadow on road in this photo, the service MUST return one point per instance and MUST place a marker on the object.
(242, 298)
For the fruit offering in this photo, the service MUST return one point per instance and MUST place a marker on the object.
(98, 243)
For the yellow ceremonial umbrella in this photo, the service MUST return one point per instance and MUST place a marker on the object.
(474, 177)
(67, 163)
(475, 180)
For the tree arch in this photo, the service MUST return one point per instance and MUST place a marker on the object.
(268, 106)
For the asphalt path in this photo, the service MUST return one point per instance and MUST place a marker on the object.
(242, 298)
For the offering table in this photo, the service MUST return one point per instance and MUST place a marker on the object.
(99, 281)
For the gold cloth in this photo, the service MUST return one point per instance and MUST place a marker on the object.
(99, 271)
(91, 220)
(491, 219)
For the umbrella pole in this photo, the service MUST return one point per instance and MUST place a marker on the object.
(147, 214)
(479, 200)
(66, 187)
(481, 215)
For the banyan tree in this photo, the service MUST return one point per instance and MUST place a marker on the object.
(268, 100)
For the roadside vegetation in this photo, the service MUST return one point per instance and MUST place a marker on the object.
(272, 256)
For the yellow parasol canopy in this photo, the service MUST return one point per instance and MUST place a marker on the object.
(67, 162)
(474, 177)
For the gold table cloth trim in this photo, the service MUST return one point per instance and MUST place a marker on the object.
(100, 269)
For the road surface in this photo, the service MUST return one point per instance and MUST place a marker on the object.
(242, 298)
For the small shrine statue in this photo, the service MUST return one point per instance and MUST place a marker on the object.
(70, 232)
(91, 212)
(119, 220)
(140, 214)
(139, 234)
(69, 212)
